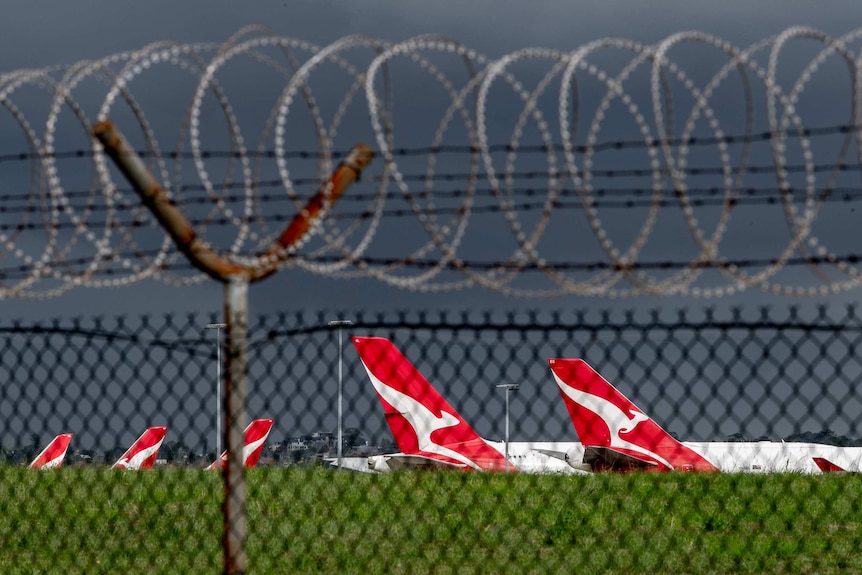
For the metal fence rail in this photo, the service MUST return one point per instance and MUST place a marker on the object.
(783, 374)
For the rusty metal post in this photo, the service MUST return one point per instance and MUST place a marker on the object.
(201, 255)
(347, 172)
(236, 278)
(233, 505)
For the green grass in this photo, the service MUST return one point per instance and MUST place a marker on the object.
(319, 521)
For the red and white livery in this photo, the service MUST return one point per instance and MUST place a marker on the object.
(142, 453)
(827, 466)
(255, 437)
(617, 436)
(429, 432)
(52, 456)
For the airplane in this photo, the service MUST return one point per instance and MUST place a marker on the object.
(618, 436)
(255, 437)
(142, 453)
(52, 456)
(427, 429)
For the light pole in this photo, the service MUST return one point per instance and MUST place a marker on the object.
(218, 327)
(340, 323)
(508, 387)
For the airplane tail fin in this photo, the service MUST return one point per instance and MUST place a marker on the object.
(615, 433)
(52, 456)
(827, 466)
(255, 437)
(422, 421)
(142, 453)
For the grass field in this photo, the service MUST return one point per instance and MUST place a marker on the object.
(319, 521)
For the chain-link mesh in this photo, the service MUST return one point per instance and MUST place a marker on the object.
(777, 375)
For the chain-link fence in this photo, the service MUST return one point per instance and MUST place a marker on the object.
(778, 375)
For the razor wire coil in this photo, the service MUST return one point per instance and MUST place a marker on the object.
(77, 225)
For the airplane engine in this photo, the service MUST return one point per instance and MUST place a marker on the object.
(378, 463)
(575, 458)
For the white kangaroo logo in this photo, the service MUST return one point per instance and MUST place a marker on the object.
(422, 419)
(56, 462)
(135, 461)
(617, 420)
(251, 448)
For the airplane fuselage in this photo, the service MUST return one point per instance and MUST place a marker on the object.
(774, 457)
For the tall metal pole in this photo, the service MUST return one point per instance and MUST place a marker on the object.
(218, 327)
(507, 430)
(340, 323)
(508, 387)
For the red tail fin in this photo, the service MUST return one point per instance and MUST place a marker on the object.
(255, 437)
(421, 420)
(827, 466)
(621, 435)
(142, 453)
(52, 456)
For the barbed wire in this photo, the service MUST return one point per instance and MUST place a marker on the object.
(461, 176)
(699, 198)
(77, 225)
(614, 145)
(430, 263)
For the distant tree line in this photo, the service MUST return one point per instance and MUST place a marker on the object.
(309, 450)
(825, 437)
(304, 450)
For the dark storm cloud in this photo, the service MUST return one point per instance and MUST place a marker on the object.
(43, 34)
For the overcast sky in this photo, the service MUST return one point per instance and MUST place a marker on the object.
(39, 34)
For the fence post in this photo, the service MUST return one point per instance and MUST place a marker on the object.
(236, 278)
(233, 505)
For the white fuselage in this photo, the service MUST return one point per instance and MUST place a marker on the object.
(525, 457)
(774, 457)
(533, 456)
(728, 457)
(760, 456)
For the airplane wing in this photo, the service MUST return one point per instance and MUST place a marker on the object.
(610, 459)
(359, 464)
(397, 461)
(561, 455)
